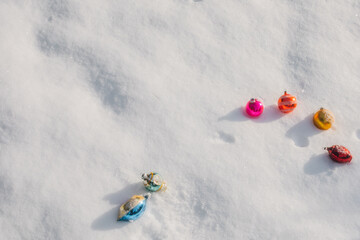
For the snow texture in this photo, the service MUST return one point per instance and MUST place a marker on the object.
(94, 93)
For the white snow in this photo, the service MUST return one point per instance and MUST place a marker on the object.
(94, 93)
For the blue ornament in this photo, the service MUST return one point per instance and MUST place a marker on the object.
(133, 208)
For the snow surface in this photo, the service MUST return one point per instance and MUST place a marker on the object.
(94, 93)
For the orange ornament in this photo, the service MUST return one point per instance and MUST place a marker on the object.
(287, 103)
(323, 119)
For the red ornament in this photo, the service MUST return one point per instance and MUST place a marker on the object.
(339, 153)
(287, 103)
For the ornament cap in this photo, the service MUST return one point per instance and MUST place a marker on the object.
(285, 92)
(144, 176)
(252, 100)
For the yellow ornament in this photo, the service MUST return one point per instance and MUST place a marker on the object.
(323, 119)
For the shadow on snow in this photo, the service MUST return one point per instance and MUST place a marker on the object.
(319, 164)
(270, 114)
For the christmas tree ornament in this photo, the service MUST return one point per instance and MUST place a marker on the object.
(254, 107)
(154, 182)
(133, 208)
(323, 119)
(287, 103)
(339, 153)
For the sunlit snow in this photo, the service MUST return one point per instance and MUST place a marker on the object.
(95, 93)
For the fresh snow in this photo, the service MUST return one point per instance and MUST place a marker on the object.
(94, 93)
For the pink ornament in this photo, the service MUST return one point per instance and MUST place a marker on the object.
(254, 107)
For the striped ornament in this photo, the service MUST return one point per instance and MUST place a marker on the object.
(287, 103)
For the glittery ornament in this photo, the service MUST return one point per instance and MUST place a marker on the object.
(133, 208)
(323, 119)
(339, 153)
